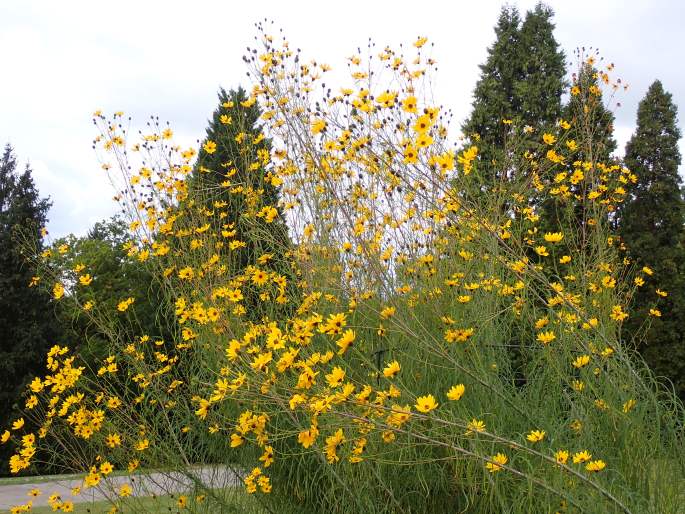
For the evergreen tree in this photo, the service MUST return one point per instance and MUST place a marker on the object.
(592, 132)
(651, 226)
(233, 180)
(27, 321)
(593, 129)
(522, 80)
(494, 97)
(541, 79)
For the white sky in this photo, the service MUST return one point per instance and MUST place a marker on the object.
(61, 60)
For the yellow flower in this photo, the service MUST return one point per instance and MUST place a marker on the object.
(113, 440)
(423, 123)
(420, 42)
(18, 424)
(345, 341)
(580, 457)
(236, 440)
(85, 279)
(553, 237)
(581, 361)
(125, 304)
(628, 406)
(307, 437)
(335, 377)
(106, 468)
(595, 466)
(209, 147)
(391, 370)
(318, 125)
(125, 490)
(546, 337)
(259, 277)
(426, 403)
(617, 313)
(460, 335)
(456, 392)
(536, 436)
(387, 312)
(409, 104)
(498, 461)
(411, 155)
(58, 291)
(541, 251)
(186, 273)
(549, 139)
(475, 425)
(561, 456)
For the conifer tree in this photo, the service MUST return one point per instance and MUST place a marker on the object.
(27, 321)
(233, 179)
(595, 130)
(651, 226)
(494, 97)
(522, 80)
(541, 80)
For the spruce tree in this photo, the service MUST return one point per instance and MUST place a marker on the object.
(522, 80)
(593, 128)
(651, 226)
(232, 178)
(27, 322)
(494, 97)
(541, 80)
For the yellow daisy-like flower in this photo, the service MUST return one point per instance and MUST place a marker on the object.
(595, 466)
(426, 403)
(456, 392)
(58, 291)
(125, 304)
(553, 237)
(536, 436)
(498, 461)
(561, 456)
(392, 369)
(546, 337)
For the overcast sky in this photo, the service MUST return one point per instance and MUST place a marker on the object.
(61, 60)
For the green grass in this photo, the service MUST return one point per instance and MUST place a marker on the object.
(39, 479)
(241, 503)
(153, 505)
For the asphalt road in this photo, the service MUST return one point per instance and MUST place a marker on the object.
(147, 484)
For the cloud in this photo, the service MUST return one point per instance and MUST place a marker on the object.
(66, 59)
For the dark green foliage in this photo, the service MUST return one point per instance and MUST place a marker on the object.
(27, 323)
(522, 80)
(116, 276)
(651, 226)
(541, 83)
(234, 183)
(593, 130)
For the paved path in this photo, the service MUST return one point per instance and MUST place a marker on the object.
(142, 484)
